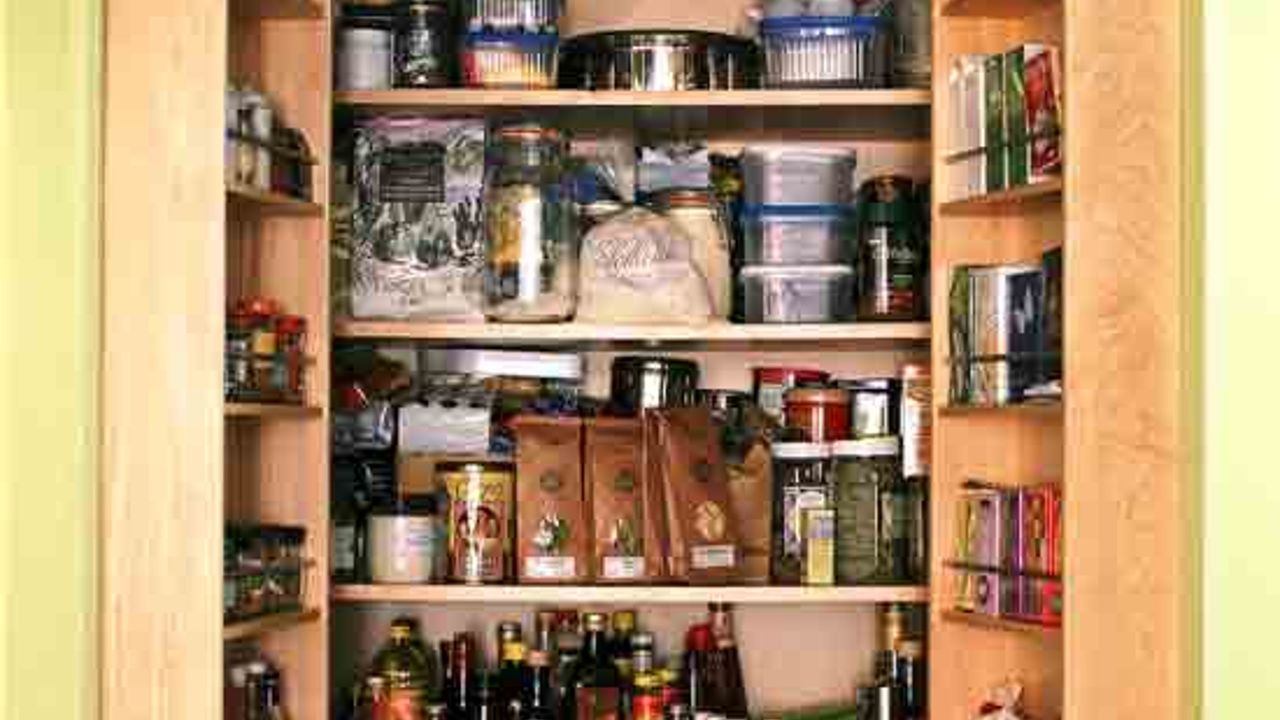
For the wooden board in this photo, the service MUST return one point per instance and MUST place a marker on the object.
(1048, 191)
(1130, 366)
(162, 320)
(623, 595)
(475, 99)
(278, 622)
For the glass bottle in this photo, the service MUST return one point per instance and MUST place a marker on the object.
(541, 694)
(730, 694)
(646, 694)
(486, 704)
(448, 681)
(544, 629)
(891, 256)
(254, 694)
(512, 679)
(624, 625)
(698, 645)
(464, 650)
(531, 271)
(272, 698)
(593, 688)
(405, 669)
(912, 678)
(423, 44)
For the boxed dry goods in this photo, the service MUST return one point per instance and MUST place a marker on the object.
(997, 324)
(625, 546)
(687, 482)
(417, 242)
(552, 535)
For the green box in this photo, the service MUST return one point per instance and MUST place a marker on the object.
(995, 138)
(1015, 96)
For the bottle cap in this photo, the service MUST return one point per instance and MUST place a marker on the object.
(698, 638)
(594, 622)
(642, 641)
(538, 658)
(624, 621)
(513, 651)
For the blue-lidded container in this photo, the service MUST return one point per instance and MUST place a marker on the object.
(799, 235)
(826, 52)
(509, 60)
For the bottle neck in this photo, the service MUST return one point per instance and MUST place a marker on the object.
(540, 688)
(593, 646)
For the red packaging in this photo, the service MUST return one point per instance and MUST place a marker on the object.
(772, 383)
(823, 413)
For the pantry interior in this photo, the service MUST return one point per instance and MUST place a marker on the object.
(1115, 442)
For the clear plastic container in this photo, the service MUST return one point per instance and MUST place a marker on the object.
(797, 293)
(798, 235)
(826, 52)
(525, 15)
(798, 175)
(509, 60)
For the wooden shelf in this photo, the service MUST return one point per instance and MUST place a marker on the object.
(1032, 409)
(473, 99)
(269, 410)
(1000, 623)
(996, 8)
(574, 333)
(1039, 193)
(268, 623)
(274, 202)
(632, 595)
(277, 9)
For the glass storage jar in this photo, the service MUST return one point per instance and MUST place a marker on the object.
(699, 214)
(531, 268)
(866, 472)
(801, 482)
(423, 44)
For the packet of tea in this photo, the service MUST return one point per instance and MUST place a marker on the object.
(624, 548)
(683, 460)
(552, 533)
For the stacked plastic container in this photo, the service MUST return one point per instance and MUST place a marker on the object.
(799, 235)
(826, 44)
(511, 43)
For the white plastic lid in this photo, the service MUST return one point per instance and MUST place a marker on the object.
(884, 446)
(801, 451)
(506, 363)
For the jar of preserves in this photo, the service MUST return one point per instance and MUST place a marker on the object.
(531, 269)
(891, 255)
(801, 482)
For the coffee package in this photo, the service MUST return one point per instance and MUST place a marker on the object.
(686, 482)
(625, 548)
(750, 506)
(552, 533)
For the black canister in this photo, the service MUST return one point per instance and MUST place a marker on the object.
(640, 383)
(423, 44)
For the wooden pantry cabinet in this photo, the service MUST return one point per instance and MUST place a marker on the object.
(178, 461)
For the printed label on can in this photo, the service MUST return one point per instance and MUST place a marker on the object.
(549, 567)
(706, 557)
(623, 568)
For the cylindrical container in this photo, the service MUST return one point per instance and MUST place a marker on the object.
(408, 543)
(800, 482)
(770, 385)
(891, 254)
(366, 42)
(658, 60)
(639, 383)
(798, 175)
(261, 120)
(916, 415)
(513, 15)
(825, 52)
(875, 404)
(823, 413)
(531, 272)
(424, 44)
(864, 471)
(789, 294)
(698, 213)
(913, 43)
(509, 60)
(481, 505)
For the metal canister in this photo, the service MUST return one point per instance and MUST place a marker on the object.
(481, 501)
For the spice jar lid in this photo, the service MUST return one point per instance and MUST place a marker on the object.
(801, 451)
(884, 446)
(821, 396)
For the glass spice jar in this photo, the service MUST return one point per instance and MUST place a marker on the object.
(531, 271)
(423, 44)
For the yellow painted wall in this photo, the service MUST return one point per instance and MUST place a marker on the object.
(49, 108)
(1242, 324)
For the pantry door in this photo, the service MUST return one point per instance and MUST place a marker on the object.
(162, 427)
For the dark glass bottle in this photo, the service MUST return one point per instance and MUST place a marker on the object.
(544, 631)
(624, 626)
(541, 696)
(448, 680)
(513, 679)
(728, 694)
(912, 679)
(697, 648)
(485, 704)
(592, 690)
(464, 651)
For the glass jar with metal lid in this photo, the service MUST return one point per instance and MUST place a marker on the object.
(801, 482)
(867, 474)
(424, 44)
(699, 214)
(531, 272)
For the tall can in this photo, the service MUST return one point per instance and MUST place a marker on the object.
(916, 419)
